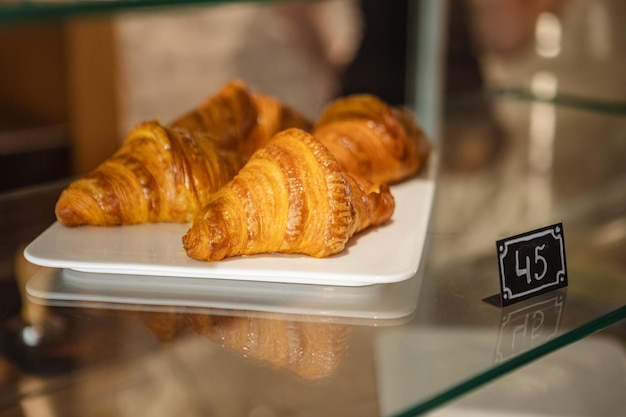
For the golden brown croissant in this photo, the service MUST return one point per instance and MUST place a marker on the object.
(371, 139)
(291, 197)
(310, 349)
(272, 117)
(158, 175)
(163, 174)
(241, 120)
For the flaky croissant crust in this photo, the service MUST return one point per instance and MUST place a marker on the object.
(291, 197)
(165, 173)
(371, 139)
(158, 175)
(241, 120)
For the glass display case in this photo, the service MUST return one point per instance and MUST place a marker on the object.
(539, 143)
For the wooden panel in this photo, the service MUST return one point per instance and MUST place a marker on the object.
(33, 74)
(92, 91)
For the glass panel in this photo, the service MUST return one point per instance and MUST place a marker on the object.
(450, 341)
(542, 146)
(457, 340)
(18, 11)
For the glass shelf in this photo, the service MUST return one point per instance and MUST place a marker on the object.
(564, 100)
(449, 342)
(511, 161)
(474, 209)
(20, 11)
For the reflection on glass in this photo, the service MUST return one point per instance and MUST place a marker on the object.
(544, 85)
(548, 35)
(309, 348)
(541, 146)
(599, 31)
(542, 125)
(611, 233)
(529, 326)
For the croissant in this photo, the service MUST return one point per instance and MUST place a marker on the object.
(158, 175)
(240, 120)
(163, 174)
(290, 197)
(371, 139)
(272, 117)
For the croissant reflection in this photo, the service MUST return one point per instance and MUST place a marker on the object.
(308, 348)
(165, 173)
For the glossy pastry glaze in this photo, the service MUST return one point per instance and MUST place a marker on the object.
(371, 139)
(291, 197)
(158, 175)
(240, 120)
(165, 173)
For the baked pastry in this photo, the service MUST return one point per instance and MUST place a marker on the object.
(241, 120)
(158, 175)
(165, 173)
(226, 117)
(371, 139)
(291, 197)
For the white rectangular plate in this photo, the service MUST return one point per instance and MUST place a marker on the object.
(384, 254)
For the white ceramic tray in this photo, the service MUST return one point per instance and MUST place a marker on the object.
(384, 304)
(384, 254)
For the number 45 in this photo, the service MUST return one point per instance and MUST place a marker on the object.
(526, 270)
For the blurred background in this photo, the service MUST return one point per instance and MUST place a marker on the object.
(71, 87)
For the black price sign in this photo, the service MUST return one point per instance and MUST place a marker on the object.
(531, 263)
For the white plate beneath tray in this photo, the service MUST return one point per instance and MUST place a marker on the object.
(384, 304)
(384, 254)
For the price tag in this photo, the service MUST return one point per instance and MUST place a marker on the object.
(531, 263)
